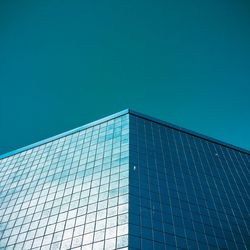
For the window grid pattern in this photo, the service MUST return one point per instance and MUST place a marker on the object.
(70, 193)
(186, 192)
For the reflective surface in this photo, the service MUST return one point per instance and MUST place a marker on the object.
(71, 193)
(186, 192)
(126, 182)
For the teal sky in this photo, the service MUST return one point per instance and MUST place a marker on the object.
(66, 63)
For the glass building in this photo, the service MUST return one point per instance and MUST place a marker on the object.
(127, 181)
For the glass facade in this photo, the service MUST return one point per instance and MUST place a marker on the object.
(127, 181)
(186, 192)
(70, 193)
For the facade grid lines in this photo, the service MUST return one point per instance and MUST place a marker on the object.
(127, 181)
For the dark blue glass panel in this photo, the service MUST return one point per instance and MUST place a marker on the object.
(186, 192)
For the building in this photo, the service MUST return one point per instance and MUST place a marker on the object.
(127, 181)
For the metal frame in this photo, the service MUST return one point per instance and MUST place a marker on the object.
(123, 112)
(189, 131)
(39, 143)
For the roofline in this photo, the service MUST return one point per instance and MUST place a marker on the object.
(187, 131)
(88, 125)
(118, 114)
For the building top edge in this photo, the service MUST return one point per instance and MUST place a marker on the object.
(208, 138)
(72, 131)
(115, 115)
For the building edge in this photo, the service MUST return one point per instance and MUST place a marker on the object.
(115, 115)
(72, 131)
(187, 131)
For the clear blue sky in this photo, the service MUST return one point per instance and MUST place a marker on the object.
(67, 63)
